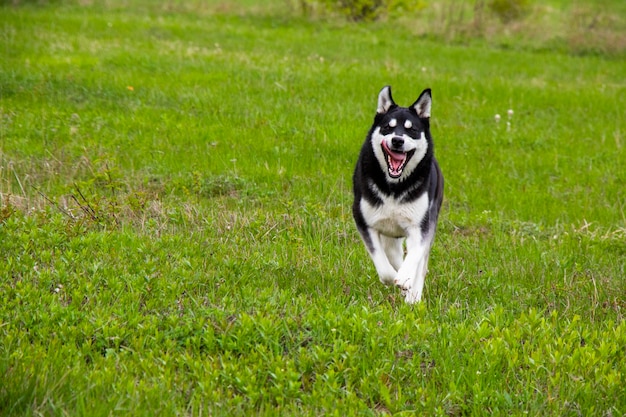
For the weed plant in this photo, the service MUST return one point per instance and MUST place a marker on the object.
(176, 236)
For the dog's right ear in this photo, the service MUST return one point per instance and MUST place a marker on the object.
(385, 102)
(423, 104)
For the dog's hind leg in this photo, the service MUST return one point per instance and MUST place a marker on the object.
(376, 249)
(394, 249)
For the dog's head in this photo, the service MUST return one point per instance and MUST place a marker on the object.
(400, 135)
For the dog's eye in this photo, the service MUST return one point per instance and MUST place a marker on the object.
(413, 131)
(385, 130)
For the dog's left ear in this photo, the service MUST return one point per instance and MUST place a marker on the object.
(423, 104)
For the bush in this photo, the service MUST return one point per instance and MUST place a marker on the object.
(363, 10)
(510, 10)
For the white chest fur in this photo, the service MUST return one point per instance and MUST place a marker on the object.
(394, 218)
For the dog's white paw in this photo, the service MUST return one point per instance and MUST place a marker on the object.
(403, 283)
(412, 297)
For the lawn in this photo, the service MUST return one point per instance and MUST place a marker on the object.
(175, 227)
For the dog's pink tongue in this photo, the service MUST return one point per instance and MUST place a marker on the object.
(396, 159)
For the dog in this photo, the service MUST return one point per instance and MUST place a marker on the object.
(398, 191)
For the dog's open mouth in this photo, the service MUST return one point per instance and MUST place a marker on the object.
(396, 161)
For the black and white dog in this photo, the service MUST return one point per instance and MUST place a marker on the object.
(398, 190)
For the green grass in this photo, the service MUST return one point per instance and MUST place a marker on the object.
(175, 224)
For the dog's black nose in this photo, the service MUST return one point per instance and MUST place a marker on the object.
(397, 142)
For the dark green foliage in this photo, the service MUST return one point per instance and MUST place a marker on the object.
(364, 10)
(510, 10)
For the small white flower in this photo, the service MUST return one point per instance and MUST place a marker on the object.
(510, 112)
(497, 117)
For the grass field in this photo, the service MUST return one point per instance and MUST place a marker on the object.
(175, 227)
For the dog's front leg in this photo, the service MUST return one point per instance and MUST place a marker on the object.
(415, 293)
(376, 249)
(410, 278)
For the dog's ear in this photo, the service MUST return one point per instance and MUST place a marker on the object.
(423, 104)
(385, 102)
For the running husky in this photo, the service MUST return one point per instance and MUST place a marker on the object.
(398, 190)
